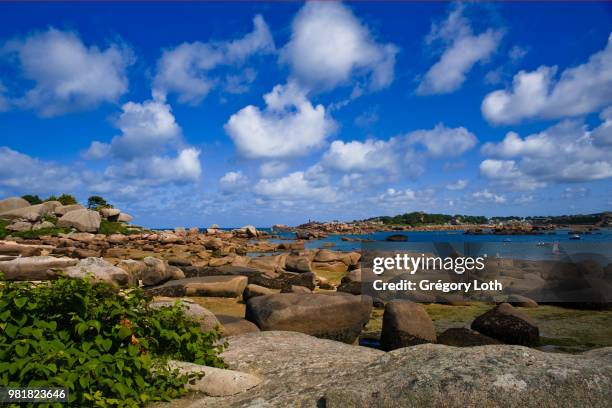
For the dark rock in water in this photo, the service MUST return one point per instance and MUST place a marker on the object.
(331, 316)
(464, 337)
(215, 286)
(405, 323)
(397, 238)
(508, 325)
(232, 326)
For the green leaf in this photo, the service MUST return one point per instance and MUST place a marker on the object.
(11, 330)
(124, 332)
(22, 349)
(20, 302)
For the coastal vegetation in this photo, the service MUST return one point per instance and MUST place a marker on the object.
(421, 218)
(107, 347)
(418, 218)
(30, 233)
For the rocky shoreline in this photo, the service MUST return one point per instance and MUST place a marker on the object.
(304, 313)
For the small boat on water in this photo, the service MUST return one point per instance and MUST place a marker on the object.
(507, 240)
(574, 236)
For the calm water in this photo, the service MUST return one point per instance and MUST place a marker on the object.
(515, 246)
(561, 235)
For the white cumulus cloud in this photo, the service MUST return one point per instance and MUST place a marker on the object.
(145, 128)
(296, 186)
(155, 170)
(329, 45)
(442, 141)
(487, 196)
(186, 69)
(233, 181)
(289, 125)
(462, 50)
(23, 174)
(68, 75)
(360, 156)
(542, 94)
(566, 152)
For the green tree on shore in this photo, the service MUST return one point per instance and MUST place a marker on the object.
(95, 201)
(32, 199)
(67, 199)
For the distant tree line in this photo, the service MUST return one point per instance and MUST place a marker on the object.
(65, 199)
(93, 202)
(421, 218)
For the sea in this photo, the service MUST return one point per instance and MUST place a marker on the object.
(551, 245)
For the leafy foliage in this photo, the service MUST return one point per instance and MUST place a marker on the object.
(109, 349)
(110, 227)
(421, 218)
(97, 202)
(67, 199)
(32, 199)
(50, 218)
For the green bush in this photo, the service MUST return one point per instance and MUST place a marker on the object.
(32, 199)
(3, 231)
(110, 227)
(50, 218)
(67, 199)
(108, 348)
(96, 202)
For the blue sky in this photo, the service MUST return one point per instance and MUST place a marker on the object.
(201, 113)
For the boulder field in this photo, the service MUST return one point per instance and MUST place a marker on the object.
(50, 214)
(300, 370)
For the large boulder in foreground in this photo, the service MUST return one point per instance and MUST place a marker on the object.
(100, 270)
(405, 323)
(334, 316)
(300, 370)
(35, 268)
(82, 220)
(12, 203)
(213, 286)
(507, 324)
